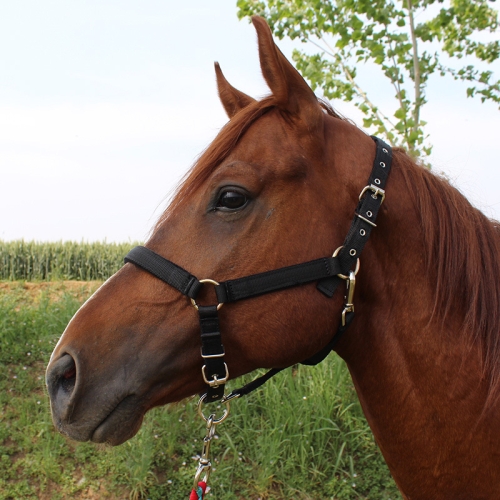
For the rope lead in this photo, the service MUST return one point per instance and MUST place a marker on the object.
(199, 493)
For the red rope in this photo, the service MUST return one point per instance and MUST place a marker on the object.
(199, 493)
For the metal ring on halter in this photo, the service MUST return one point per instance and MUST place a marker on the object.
(213, 282)
(215, 421)
(343, 276)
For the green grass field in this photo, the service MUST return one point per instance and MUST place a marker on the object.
(302, 436)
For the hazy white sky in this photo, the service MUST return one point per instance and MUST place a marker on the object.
(105, 104)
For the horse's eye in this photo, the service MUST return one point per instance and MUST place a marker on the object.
(231, 200)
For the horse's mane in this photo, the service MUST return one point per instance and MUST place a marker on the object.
(462, 255)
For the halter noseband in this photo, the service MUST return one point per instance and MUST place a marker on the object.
(329, 272)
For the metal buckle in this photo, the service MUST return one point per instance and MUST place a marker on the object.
(366, 220)
(209, 356)
(215, 382)
(376, 191)
(213, 282)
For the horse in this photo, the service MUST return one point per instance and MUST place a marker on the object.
(279, 186)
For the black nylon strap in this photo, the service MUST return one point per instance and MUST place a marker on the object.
(278, 279)
(165, 270)
(321, 355)
(254, 384)
(212, 352)
(382, 163)
(365, 216)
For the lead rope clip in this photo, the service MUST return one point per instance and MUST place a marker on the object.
(349, 300)
(204, 464)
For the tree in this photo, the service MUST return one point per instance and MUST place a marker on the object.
(446, 41)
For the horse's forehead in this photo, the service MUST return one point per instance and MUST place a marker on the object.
(272, 139)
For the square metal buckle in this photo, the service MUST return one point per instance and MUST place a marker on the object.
(376, 191)
(215, 382)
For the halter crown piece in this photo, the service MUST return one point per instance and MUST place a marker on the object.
(328, 272)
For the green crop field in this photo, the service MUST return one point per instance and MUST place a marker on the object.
(302, 436)
(34, 261)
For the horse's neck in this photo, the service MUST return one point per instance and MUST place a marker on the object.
(419, 382)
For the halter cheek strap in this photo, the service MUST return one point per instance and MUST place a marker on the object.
(328, 272)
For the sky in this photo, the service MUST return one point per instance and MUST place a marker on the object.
(104, 106)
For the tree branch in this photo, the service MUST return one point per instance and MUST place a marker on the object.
(416, 68)
(397, 86)
(380, 116)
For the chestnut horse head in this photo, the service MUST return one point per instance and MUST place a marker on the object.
(277, 187)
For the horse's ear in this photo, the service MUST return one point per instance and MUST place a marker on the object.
(291, 91)
(232, 99)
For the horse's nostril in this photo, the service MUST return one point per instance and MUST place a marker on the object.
(70, 373)
(62, 375)
(61, 381)
(68, 379)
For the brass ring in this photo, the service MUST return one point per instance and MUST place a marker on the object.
(212, 282)
(215, 421)
(343, 276)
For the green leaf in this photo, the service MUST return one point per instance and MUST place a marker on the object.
(400, 113)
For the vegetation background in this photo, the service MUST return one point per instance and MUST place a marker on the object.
(302, 436)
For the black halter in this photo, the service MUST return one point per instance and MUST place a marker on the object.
(327, 271)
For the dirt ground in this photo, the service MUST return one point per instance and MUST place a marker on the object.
(55, 289)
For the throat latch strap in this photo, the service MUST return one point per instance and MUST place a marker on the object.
(370, 201)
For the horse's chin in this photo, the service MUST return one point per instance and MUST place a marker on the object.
(121, 424)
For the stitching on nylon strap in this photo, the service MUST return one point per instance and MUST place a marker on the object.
(278, 279)
(167, 271)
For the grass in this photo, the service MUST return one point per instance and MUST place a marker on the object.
(301, 436)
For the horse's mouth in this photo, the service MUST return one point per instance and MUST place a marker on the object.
(121, 424)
